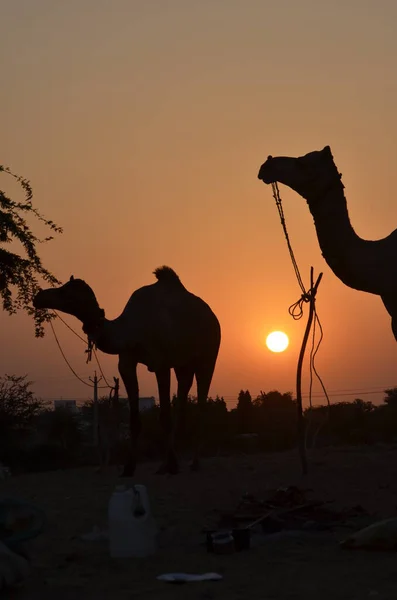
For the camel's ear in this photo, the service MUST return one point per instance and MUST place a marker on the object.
(71, 278)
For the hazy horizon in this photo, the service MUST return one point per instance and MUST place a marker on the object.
(142, 126)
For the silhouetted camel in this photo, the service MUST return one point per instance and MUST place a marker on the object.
(366, 265)
(163, 326)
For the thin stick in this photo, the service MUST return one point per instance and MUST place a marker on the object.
(301, 423)
(277, 512)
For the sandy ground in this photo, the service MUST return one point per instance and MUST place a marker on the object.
(307, 565)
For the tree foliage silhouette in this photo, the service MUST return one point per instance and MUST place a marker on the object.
(391, 397)
(245, 411)
(19, 274)
(18, 405)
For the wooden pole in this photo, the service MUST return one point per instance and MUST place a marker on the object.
(95, 381)
(116, 407)
(301, 422)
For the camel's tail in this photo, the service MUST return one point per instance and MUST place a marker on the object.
(167, 275)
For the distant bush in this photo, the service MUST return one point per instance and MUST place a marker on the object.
(36, 438)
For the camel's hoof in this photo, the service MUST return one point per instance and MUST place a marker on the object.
(195, 466)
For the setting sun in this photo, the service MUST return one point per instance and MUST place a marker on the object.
(277, 341)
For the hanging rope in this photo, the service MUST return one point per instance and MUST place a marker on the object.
(313, 369)
(296, 312)
(276, 195)
(90, 343)
(69, 327)
(312, 357)
(296, 309)
(100, 368)
(66, 360)
(89, 350)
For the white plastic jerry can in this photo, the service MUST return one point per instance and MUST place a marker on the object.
(132, 529)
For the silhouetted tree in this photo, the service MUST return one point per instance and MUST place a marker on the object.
(391, 398)
(20, 273)
(218, 403)
(276, 418)
(244, 412)
(363, 406)
(18, 408)
(275, 401)
(362, 409)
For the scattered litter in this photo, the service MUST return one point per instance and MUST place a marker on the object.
(96, 535)
(187, 577)
(285, 509)
(222, 542)
(288, 510)
(227, 542)
(381, 535)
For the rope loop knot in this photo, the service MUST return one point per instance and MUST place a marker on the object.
(296, 309)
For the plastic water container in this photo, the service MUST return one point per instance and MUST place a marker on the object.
(132, 529)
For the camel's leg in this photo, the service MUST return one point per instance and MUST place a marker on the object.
(204, 373)
(170, 465)
(127, 370)
(185, 376)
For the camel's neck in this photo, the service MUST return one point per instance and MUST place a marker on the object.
(334, 230)
(338, 241)
(107, 335)
(117, 336)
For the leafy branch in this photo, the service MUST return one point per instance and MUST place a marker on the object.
(19, 276)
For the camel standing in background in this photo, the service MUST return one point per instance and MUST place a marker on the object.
(164, 327)
(365, 265)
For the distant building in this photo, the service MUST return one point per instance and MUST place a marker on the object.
(146, 403)
(68, 404)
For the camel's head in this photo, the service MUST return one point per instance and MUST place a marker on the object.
(307, 175)
(74, 298)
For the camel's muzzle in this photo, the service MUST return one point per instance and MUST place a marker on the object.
(42, 299)
(265, 174)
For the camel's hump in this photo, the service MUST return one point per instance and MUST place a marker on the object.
(166, 274)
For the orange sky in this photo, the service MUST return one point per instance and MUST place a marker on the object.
(142, 126)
